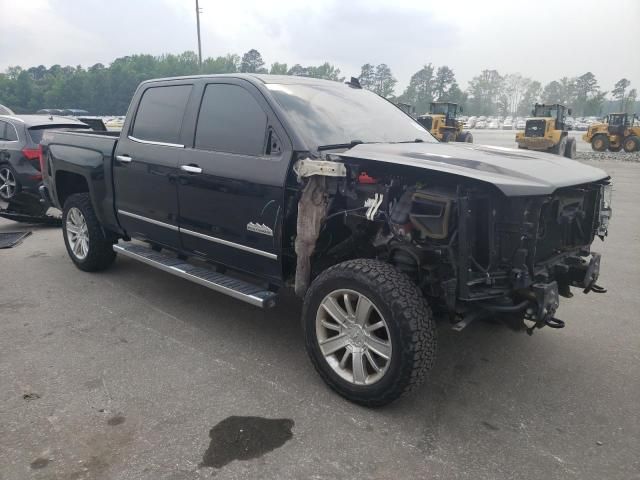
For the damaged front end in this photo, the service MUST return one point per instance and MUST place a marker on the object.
(472, 250)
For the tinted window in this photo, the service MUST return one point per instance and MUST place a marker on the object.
(3, 126)
(10, 133)
(231, 120)
(327, 114)
(160, 113)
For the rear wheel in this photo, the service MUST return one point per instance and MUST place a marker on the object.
(448, 136)
(570, 148)
(87, 245)
(9, 186)
(631, 144)
(600, 142)
(368, 331)
(465, 137)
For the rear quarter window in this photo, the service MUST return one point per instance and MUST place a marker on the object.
(160, 114)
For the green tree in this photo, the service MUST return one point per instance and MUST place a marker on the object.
(619, 90)
(367, 76)
(444, 80)
(384, 81)
(484, 92)
(531, 96)
(252, 62)
(420, 90)
(278, 69)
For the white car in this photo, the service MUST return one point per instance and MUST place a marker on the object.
(470, 123)
(494, 125)
(521, 124)
(508, 124)
(481, 124)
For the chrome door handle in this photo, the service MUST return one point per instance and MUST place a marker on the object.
(124, 158)
(191, 168)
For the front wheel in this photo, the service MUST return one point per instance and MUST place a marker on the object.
(87, 245)
(368, 331)
(570, 148)
(600, 142)
(560, 147)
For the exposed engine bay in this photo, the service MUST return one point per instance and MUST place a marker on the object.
(472, 250)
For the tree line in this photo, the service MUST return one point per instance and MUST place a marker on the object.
(107, 90)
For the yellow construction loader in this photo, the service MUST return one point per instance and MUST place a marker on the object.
(442, 121)
(547, 131)
(618, 131)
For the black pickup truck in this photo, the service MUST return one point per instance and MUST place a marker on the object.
(248, 184)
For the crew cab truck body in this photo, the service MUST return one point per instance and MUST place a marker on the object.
(248, 184)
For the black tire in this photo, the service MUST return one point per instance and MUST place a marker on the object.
(100, 253)
(465, 137)
(570, 148)
(411, 329)
(631, 144)
(600, 142)
(8, 174)
(448, 136)
(560, 147)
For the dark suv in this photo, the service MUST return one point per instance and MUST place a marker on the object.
(19, 152)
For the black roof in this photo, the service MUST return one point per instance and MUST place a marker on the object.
(264, 78)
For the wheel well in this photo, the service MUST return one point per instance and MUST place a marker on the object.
(68, 183)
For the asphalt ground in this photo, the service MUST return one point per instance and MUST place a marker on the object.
(124, 375)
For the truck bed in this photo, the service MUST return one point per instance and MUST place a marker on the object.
(81, 156)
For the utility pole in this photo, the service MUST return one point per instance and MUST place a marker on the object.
(199, 42)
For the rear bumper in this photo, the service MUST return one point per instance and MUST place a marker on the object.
(44, 196)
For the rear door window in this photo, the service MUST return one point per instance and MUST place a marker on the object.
(231, 120)
(160, 114)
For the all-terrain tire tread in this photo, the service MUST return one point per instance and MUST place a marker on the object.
(101, 254)
(408, 305)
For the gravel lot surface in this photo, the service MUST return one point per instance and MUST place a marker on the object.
(125, 374)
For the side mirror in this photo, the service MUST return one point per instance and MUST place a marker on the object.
(569, 111)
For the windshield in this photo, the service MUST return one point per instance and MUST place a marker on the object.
(330, 115)
(440, 108)
(546, 111)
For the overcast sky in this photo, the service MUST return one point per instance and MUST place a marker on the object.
(543, 39)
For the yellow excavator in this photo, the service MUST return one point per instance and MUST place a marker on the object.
(442, 121)
(618, 131)
(547, 131)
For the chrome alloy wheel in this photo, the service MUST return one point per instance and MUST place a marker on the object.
(8, 184)
(353, 337)
(77, 233)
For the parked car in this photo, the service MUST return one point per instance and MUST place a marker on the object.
(481, 124)
(19, 152)
(522, 123)
(494, 124)
(333, 190)
(508, 124)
